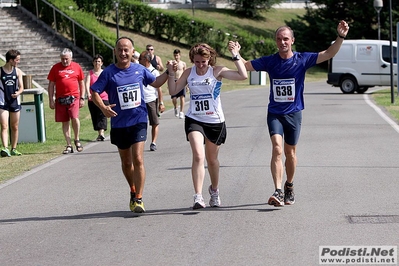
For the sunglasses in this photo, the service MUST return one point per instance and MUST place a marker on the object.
(150, 49)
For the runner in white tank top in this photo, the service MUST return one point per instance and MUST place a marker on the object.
(205, 104)
(204, 122)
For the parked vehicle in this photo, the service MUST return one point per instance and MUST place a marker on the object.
(361, 64)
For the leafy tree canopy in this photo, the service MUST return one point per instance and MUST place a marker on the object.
(317, 28)
(250, 8)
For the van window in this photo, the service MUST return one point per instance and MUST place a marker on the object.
(386, 52)
(367, 52)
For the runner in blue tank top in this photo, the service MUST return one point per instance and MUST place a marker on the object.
(124, 83)
(11, 87)
(286, 71)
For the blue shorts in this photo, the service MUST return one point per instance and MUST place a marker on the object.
(288, 126)
(12, 106)
(125, 137)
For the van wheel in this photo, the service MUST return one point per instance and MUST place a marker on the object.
(348, 85)
(362, 90)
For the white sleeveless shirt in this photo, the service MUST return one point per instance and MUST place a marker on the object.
(205, 105)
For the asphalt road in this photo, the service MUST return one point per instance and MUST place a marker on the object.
(74, 209)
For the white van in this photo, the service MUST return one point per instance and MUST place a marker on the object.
(361, 64)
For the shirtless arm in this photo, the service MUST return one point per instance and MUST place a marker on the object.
(159, 64)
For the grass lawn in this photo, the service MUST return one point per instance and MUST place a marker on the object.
(383, 99)
(39, 153)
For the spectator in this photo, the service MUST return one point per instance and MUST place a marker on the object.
(156, 61)
(98, 119)
(181, 66)
(66, 95)
(153, 99)
(11, 87)
(135, 57)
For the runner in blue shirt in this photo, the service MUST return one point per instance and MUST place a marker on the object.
(124, 83)
(286, 71)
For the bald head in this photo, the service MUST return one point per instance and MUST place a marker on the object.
(124, 50)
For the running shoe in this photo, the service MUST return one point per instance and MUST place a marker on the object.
(131, 202)
(289, 195)
(137, 205)
(277, 199)
(181, 115)
(5, 153)
(14, 152)
(153, 146)
(176, 112)
(215, 199)
(199, 202)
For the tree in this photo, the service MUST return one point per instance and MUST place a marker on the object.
(317, 28)
(250, 8)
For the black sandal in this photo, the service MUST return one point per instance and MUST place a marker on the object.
(68, 149)
(78, 145)
(100, 138)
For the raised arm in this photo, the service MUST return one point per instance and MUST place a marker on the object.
(247, 64)
(241, 72)
(342, 31)
(160, 80)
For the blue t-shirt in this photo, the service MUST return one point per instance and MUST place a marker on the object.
(125, 89)
(287, 78)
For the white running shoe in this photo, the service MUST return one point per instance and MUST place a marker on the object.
(176, 112)
(215, 199)
(199, 202)
(181, 115)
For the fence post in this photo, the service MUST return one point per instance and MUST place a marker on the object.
(55, 21)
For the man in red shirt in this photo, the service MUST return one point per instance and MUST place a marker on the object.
(66, 81)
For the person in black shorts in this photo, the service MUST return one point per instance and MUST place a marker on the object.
(204, 121)
(181, 66)
(11, 87)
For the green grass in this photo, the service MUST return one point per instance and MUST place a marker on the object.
(264, 26)
(383, 99)
(38, 153)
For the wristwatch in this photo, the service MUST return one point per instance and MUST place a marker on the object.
(236, 57)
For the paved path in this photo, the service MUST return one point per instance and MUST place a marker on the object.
(74, 210)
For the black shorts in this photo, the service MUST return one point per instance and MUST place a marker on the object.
(180, 93)
(215, 133)
(152, 109)
(12, 106)
(125, 137)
